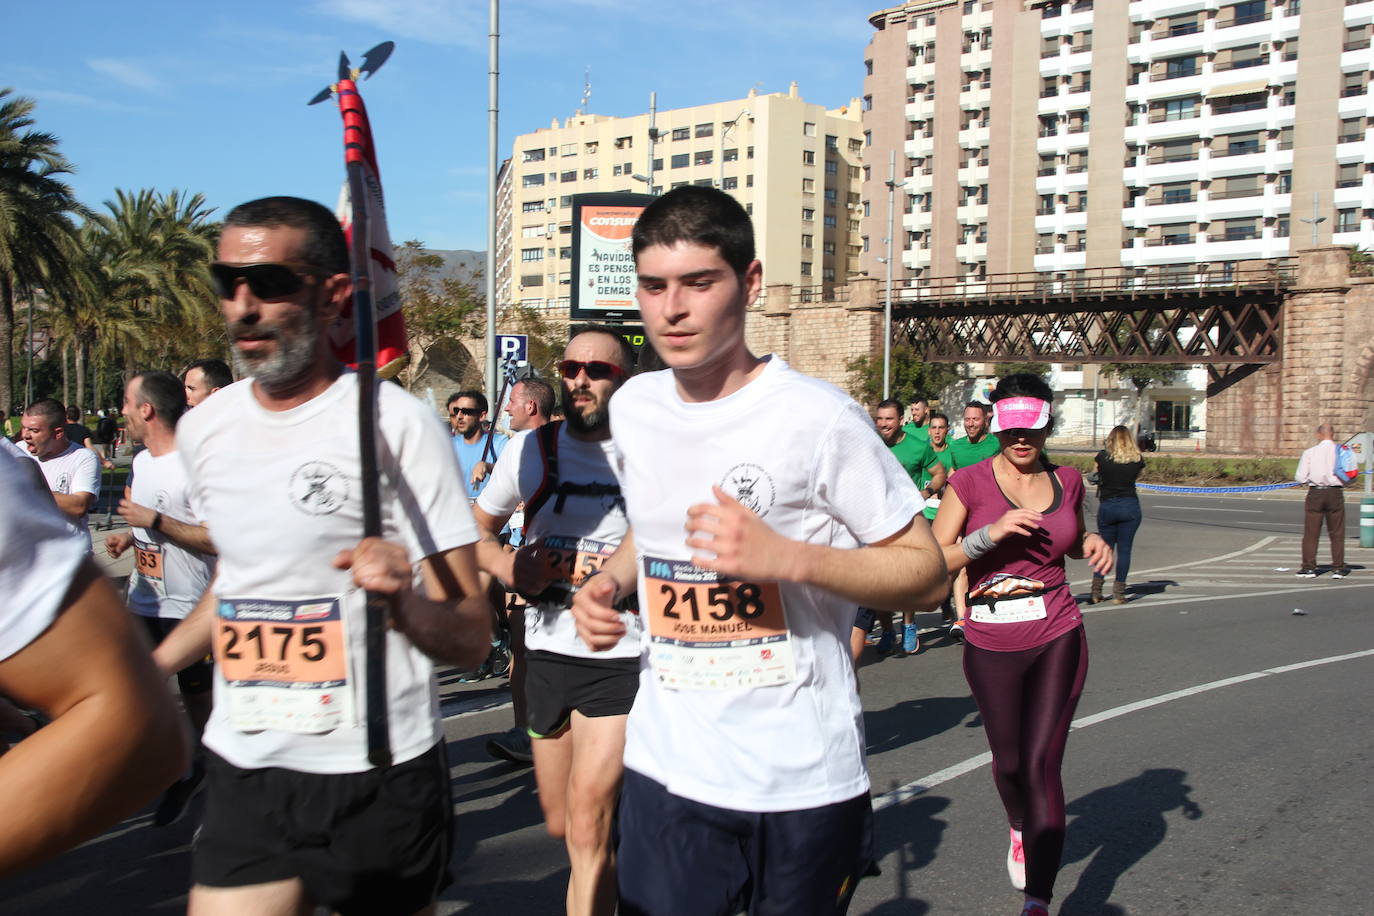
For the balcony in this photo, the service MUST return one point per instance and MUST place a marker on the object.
(1170, 240)
(1359, 44)
(1160, 115)
(1171, 198)
(1237, 149)
(1177, 29)
(1233, 193)
(1161, 158)
(1241, 64)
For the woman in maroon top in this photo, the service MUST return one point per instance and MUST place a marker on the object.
(1025, 656)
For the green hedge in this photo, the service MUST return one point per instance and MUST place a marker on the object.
(1178, 469)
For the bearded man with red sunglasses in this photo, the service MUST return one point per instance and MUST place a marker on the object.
(577, 699)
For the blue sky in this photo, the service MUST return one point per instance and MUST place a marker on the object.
(211, 98)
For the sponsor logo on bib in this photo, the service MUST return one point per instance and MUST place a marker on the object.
(318, 488)
(751, 486)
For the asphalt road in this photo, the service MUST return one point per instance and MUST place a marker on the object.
(1219, 762)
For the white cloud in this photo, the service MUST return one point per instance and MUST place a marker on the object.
(127, 72)
(453, 22)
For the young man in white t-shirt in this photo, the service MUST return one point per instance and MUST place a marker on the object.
(72, 470)
(173, 554)
(296, 816)
(577, 699)
(753, 539)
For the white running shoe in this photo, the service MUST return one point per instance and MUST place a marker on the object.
(1016, 862)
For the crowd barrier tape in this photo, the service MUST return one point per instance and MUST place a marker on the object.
(1208, 491)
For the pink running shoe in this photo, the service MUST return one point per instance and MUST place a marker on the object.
(1016, 862)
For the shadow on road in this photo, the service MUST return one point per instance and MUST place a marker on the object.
(1118, 826)
(914, 720)
(912, 832)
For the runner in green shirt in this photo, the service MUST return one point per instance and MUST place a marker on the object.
(916, 456)
(978, 444)
(920, 411)
(944, 452)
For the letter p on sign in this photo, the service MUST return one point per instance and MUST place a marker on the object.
(512, 348)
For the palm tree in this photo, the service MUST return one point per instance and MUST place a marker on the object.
(146, 300)
(38, 236)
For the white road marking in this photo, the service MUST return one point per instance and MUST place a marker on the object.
(925, 784)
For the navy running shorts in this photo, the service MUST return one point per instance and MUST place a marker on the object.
(556, 684)
(677, 857)
(197, 677)
(361, 843)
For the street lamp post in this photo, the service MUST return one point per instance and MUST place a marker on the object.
(892, 185)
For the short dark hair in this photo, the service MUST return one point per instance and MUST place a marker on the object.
(215, 371)
(473, 393)
(627, 352)
(937, 415)
(540, 392)
(165, 392)
(49, 410)
(919, 399)
(324, 249)
(980, 405)
(73, 414)
(891, 402)
(698, 216)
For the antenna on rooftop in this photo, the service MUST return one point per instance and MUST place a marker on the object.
(586, 91)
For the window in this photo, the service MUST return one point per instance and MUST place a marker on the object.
(748, 181)
(829, 222)
(532, 232)
(832, 167)
(704, 183)
(1048, 164)
(592, 147)
(865, 243)
(1176, 234)
(1236, 229)
(1348, 174)
(1046, 205)
(1249, 56)
(532, 280)
(1049, 47)
(729, 155)
(1082, 41)
(832, 142)
(868, 68)
(589, 174)
(808, 241)
(532, 206)
(808, 157)
(532, 181)
(828, 247)
(1175, 109)
(1049, 125)
(1356, 38)
(1352, 130)
(808, 214)
(1352, 84)
(565, 201)
(830, 197)
(1044, 243)
(1233, 103)
(856, 145)
(705, 130)
(1049, 86)
(1178, 192)
(828, 274)
(730, 184)
(806, 268)
(682, 133)
(808, 129)
(868, 138)
(534, 155)
(658, 165)
(1347, 220)
(680, 160)
(568, 149)
(1246, 13)
(564, 254)
(1290, 49)
(624, 142)
(703, 157)
(1283, 183)
(1176, 67)
(531, 254)
(1078, 121)
(809, 185)
(1239, 144)
(1078, 162)
(1281, 227)
(570, 175)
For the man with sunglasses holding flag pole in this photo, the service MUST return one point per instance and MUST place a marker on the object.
(326, 784)
(577, 699)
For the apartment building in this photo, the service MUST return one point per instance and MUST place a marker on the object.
(794, 165)
(1054, 135)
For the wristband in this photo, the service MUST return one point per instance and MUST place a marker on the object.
(157, 521)
(978, 543)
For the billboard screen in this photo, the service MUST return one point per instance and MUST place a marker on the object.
(603, 268)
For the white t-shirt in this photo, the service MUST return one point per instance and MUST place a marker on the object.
(9, 448)
(75, 470)
(281, 492)
(167, 580)
(583, 521)
(39, 555)
(803, 456)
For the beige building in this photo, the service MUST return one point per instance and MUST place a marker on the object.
(795, 166)
(1054, 135)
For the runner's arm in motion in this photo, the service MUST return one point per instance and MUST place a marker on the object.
(451, 621)
(74, 504)
(593, 608)
(116, 739)
(938, 476)
(899, 573)
(523, 570)
(1090, 546)
(949, 528)
(183, 534)
(190, 640)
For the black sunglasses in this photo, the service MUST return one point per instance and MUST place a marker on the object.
(465, 411)
(596, 369)
(266, 281)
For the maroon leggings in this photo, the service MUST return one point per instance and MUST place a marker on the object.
(1027, 700)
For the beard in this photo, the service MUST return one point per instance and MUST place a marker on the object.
(290, 360)
(594, 420)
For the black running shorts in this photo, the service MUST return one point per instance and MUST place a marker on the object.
(197, 677)
(361, 843)
(556, 684)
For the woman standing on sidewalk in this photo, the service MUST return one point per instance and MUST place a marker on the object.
(1118, 507)
(1025, 654)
